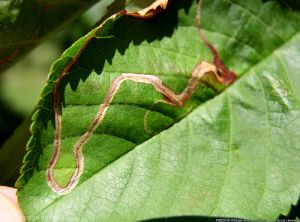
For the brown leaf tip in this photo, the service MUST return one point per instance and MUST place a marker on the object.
(152, 10)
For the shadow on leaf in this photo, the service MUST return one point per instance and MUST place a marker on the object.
(115, 36)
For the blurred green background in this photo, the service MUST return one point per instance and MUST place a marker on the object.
(21, 85)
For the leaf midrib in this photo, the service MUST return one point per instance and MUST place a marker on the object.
(290, 39)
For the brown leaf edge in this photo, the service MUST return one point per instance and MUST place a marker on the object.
(152, 10)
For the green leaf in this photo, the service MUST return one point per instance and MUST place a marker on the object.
(234, 155)
(24, 24)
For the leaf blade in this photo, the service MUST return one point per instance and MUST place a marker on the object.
(229, 133)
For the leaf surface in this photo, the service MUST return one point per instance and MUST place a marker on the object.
(220, 155)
